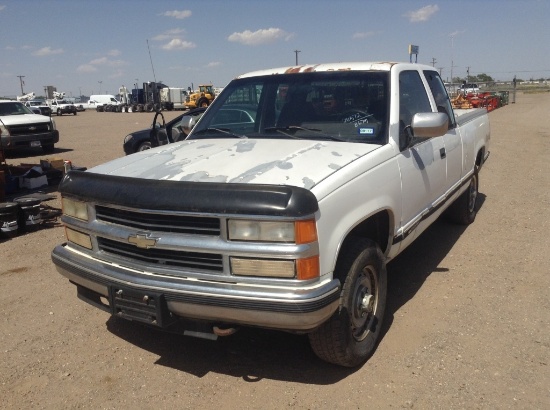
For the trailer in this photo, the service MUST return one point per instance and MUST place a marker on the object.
(173, 98)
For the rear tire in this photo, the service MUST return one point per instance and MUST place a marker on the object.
(464, 210)
(349, 337)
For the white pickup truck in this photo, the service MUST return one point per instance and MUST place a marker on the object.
(282, 207)
(60, 107)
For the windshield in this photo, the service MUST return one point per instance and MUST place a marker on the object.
(341, 106)
(14, 108)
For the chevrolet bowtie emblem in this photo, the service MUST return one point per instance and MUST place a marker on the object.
(142, 241)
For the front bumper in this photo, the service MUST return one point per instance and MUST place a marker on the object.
(290, 308)
(27, 140)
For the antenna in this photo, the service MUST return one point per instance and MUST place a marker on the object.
(154, 76)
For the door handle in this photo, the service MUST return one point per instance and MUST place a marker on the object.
(443, 153)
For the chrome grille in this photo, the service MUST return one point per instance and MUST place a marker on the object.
(160, 222)
(29, 129)
(210, 262)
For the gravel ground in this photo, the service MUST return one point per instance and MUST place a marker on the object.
(467, 324)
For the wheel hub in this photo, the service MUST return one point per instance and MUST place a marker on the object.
(367, 306)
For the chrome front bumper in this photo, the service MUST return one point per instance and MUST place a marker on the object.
(294, 308)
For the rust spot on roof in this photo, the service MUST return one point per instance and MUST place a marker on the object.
(311, 69)
(293, 70)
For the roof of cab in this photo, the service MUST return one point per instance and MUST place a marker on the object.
(349, 66)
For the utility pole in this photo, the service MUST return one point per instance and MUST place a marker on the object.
(22, 83)
(452, 54)
(100, 82)
(297, 51)
(467, 74)
(433, 62)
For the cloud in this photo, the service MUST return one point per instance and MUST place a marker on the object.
(423, 14)
(47, 51)
(361, 35)
(178, 44)
(178, 14)
(86, 68)
(262, 36)
(169, 34)
(213, 64)
(2, 7)
(93, 65)
(174, 40)
(113, 53)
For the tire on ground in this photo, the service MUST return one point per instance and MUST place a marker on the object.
(464, 209)
(350, 336)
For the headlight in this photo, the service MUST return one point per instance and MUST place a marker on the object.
(127, 138)
(3, 130)
(53, 127)
(76, 209)
(272, 231)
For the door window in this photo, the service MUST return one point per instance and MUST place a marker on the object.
(412, 98)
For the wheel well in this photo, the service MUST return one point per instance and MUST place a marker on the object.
(376, 228)
(479, 158)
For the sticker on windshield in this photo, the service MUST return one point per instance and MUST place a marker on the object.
(366, 131)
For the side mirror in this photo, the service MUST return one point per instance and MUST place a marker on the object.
(424, 125)
(429, 124)
(187, 124)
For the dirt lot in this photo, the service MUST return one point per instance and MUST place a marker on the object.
(467, 324)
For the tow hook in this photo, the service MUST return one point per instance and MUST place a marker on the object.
(224, 331)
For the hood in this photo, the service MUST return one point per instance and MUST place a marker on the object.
(8, 120)
(301, 163)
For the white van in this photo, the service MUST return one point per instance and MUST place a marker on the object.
(102, 99)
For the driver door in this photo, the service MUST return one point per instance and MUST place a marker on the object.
(422, 164)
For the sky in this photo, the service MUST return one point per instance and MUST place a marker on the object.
(84, 47)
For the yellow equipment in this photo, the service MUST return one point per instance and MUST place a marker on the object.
(202, 98)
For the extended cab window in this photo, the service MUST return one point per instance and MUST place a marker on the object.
(442, 102)
(412, 98)
(337, 106)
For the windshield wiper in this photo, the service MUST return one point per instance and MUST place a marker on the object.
(221, 130)
(319, 132)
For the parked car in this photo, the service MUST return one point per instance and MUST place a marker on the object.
(39, 107)
(470, 88)
(177, 129)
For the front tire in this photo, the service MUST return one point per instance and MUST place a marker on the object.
(144, 146)
(349, 337)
